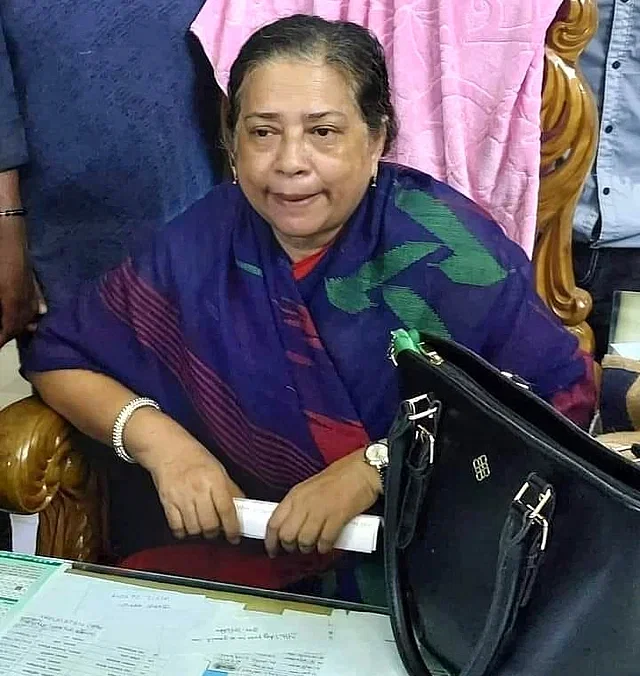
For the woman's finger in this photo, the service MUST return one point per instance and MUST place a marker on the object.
(190, 517)
(272, 538)
(309, 533)
(290, 528)
(207, 516)
(330, 533)
(174, 519)
(227, 513)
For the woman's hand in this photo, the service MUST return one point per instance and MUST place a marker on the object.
(195, 490)
(313, 513)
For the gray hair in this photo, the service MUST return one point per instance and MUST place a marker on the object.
(354, 50)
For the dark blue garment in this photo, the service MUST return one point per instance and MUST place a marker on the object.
(285, 376)
(108, 97)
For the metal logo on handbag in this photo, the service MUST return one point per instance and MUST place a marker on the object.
(494, 577)
(481, 468)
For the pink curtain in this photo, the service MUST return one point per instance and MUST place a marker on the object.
(466, 78)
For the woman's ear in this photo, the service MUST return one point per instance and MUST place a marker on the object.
(377, 150)
(226, 133)
(226, 138)
(379, 141)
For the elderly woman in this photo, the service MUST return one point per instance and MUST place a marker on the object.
(244, 351)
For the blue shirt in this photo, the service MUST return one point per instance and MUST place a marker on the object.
(611, 64)
(13, 144)
(108, 120)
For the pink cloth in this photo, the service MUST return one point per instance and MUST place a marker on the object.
(466, 78)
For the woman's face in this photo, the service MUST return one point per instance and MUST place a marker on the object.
(303, 154)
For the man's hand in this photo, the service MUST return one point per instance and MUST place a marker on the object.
(20, 299)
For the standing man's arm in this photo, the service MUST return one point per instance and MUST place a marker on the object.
(19, 299)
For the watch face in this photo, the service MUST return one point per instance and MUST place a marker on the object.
(377, 454)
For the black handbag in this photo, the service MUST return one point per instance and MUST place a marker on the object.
(512, 538)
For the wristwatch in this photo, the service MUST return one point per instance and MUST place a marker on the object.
(376, 455)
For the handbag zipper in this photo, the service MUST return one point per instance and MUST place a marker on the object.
(407, 341)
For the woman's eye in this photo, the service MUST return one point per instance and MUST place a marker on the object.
(262, 133)
(323, 132)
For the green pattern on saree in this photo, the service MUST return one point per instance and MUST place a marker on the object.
(414, 311)
(469, 263)
(351, 294)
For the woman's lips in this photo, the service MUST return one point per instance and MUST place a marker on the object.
(294, 200)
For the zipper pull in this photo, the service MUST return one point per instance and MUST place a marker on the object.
(431, 355)
(517, 380)
(410, 340)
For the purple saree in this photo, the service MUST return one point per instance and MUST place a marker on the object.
(280, 377)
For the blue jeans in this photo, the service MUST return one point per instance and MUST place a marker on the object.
(601, 272)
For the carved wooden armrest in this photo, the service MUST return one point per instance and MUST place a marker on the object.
(41, 472)
(569, 122)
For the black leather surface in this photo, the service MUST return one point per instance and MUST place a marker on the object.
(583, 616)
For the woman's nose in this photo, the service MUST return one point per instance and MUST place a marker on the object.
(291, 158)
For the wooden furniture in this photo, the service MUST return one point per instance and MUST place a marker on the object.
(41, 471)
(569, 123)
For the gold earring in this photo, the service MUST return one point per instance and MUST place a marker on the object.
(234, 173)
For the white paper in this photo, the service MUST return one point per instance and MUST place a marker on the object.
(152, 620)
(265, 644)
(299, 644)
(24, 532)
(628, 350)
(50, 646)
(359, 535)
(369, 646)
(82, 626)
(78, 625)
(268, 664)
(21, 578)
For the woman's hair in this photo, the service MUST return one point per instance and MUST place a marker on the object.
(354, 50)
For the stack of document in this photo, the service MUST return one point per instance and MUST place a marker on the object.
(78, 625)
(245, 643)
(20, 579)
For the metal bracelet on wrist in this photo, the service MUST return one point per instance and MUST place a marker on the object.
(121, 421)
(16, 211)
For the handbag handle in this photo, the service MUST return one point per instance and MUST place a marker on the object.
(522, 545)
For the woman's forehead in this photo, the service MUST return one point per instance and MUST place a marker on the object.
(306, 88)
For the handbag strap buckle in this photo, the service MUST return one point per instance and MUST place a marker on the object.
(535, 512)
(427, 411)
(415, 404)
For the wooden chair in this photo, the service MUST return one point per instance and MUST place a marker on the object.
(41, 471)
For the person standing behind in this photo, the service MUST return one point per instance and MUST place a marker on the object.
(106, 130)
(607, 224)
(98, 111)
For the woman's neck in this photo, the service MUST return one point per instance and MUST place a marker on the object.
(299, 248)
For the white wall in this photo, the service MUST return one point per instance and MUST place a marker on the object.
(12, 388)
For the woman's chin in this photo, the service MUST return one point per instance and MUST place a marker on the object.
(300, 228)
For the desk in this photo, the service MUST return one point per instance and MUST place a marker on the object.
(260, 600)
(85, 620)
